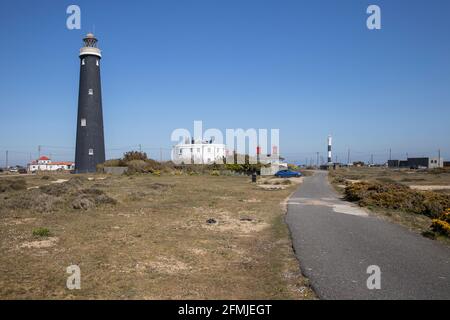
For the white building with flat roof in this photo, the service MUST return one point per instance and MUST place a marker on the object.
(198, 152)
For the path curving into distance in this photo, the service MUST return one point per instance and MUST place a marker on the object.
(336, 241)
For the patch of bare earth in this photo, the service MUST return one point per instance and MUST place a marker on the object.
(39, 244)
(429, 187)
(273, 183)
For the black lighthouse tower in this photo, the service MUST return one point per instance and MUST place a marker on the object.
(90, 146)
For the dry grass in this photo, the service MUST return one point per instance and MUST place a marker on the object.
(152, 241)
(12, 184)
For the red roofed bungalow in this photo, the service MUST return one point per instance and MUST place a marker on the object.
(46, 164)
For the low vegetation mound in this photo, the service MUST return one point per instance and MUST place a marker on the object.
(138, 162)
(90, 198)
(397, 196)
(12, 184)
(71, 194)
(32, 200)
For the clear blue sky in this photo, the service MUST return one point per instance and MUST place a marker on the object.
(309, 68)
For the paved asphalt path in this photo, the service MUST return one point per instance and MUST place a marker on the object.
(336, 242)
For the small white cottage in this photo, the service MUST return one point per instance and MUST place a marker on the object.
(46, 164)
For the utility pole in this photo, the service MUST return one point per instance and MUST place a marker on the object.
(160, 154)
(6, 159)
(348, 156)
(371, 159)
(439, 158)
(390, 154)
(317, 159)
(39, 151)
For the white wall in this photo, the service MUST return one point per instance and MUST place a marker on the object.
(435, 163)
(48, 167)
(201, 153)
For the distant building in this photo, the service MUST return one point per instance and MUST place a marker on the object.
(393, 163)
(46, 164)
(275, 166)
(198, 152)
(417, 163)
(446, 163)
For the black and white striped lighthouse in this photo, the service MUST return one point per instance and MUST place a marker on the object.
(90, 145)
(330, 161)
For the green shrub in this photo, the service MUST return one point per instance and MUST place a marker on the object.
(41, 232)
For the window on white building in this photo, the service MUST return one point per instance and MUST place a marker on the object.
(91, 152)
(209, 149)
(180, 151)
(83, 122)
(91, 91)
